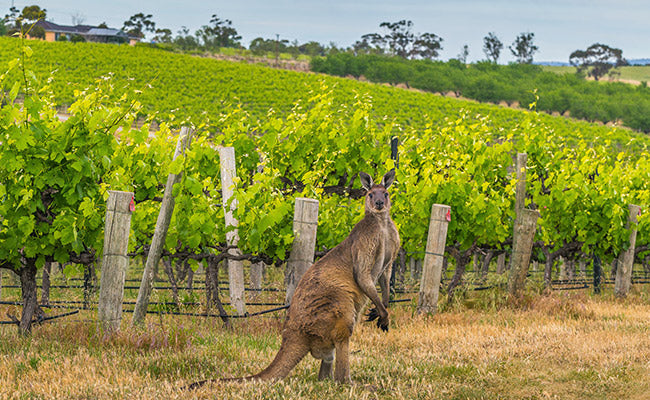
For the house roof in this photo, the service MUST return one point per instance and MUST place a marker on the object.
(51, 26)
(84, 30)
(106, 32)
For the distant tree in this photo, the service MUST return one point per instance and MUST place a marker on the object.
(76, 38)
(370, 43)
(312, 49)
(597, 60)
(17, 21)
(184, 41)
(78, 18)
(260, 46)
(293, 48)
(12, 16)
(32, 14)
(103, 25)
(11, 21)
(3, 27)
(426, 45)
(138, 24)
(492, 47)
(220, 33)
(462, 56)
(399, 37)
(163, 36)
(400, 41)
(333, 48)
(523, 48)
(36, 31)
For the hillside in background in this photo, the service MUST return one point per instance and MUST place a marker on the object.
(202, 88)
(523, 84)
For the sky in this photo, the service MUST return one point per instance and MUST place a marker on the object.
(560, 26)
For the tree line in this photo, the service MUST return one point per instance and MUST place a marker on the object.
(394, 39)
(514, 83)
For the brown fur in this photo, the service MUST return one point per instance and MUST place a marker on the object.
(330, 295)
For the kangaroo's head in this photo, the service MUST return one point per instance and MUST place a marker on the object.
(377, 198)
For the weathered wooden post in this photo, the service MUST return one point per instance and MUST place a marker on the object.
(562, 266)
(433, 259)
(598, 272)
(305, 224)
(257, 271)
(626, 259)
(235, 267)
(160, 233)
(412, 267)
(523, 231)
(114, 259)
(501, 263)
(522, 247)
(45, 284)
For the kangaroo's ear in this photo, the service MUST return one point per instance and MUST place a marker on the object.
(366, 180)
(388, 179)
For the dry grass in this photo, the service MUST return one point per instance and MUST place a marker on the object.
(561, 346)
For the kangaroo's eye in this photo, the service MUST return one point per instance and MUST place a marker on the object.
(386, 195)
(370, 195)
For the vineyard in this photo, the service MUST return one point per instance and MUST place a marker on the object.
(506, 84)
(580, 184)
(294, 136)
(175, 87)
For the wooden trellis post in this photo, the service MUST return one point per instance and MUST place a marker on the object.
(598, 274)
(522, 247)
(501, 263)
(114, 260)
(626, 259)
(433, 259)
(257, 271)
(160, 233)
(305, 224)
(523, 231)
(235, 267)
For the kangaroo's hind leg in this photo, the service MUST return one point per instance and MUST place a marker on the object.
(342, 372)
(325, 371)
(327, 360)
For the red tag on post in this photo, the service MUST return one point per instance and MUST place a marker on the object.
(132, 204)
(448, 215)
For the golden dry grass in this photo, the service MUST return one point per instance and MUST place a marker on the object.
(560, 346)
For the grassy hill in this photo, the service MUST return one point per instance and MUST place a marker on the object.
(635, 73)
(514, 83)
(201, 88)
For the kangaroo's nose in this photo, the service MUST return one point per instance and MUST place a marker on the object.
(379, 204)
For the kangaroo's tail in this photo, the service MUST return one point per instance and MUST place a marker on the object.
(293, 349)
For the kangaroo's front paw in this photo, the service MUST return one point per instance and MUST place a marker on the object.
(372, 314)
(382, 323)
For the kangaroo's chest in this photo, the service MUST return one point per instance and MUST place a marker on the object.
(388, 245)
(391, 242)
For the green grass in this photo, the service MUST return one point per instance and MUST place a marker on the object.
(538, 351)
(639, 73)
(569, 345)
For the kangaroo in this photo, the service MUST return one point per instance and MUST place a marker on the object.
(330, 295)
